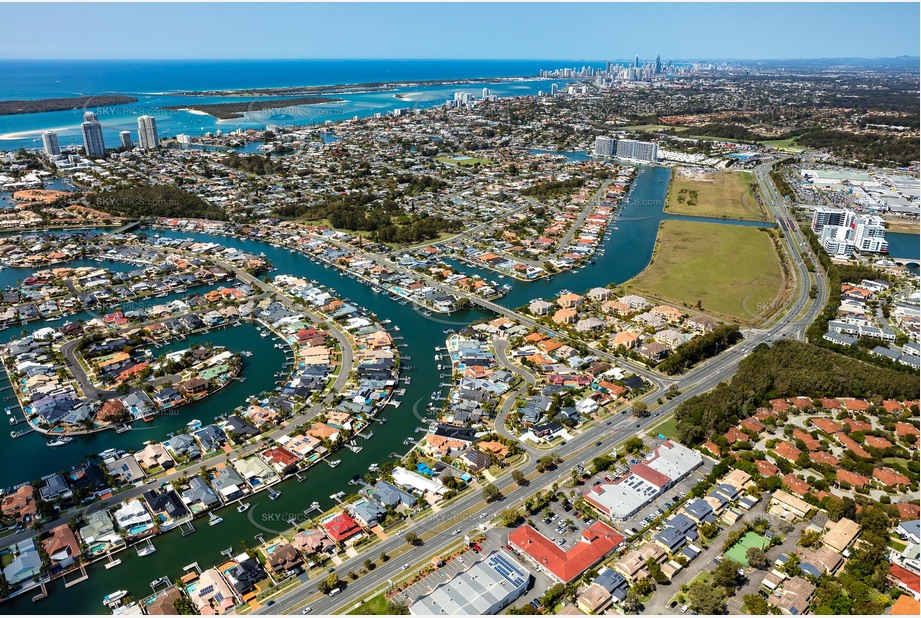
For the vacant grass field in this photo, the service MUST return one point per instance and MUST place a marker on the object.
(376, 605)
(726, 194)
(653, 127)
(462, 160)
(787, 145)
(733, 270)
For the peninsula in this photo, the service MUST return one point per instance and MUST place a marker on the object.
(228, 111)
(9, 108)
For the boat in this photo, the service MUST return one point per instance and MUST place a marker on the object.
(122, 428)
(147, 549)
(333, 464)
(8, 411)
(13, 420)
(61, 441)
(214, 520)
(243, 507)
(273, 495)
(114, 596)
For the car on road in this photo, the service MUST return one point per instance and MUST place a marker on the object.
(456, 532)
(307, 610)
(331, 571)
(597, 443)
(405, 566)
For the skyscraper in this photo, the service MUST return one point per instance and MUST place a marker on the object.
(485, 93)
(636, 62)
(658, 68)
(125, 136)
(147, 132)
(92, 136)
(50, 142)
(554, 89)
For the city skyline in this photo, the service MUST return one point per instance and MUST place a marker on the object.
(413, 31)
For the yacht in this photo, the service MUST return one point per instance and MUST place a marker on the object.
(147, 549)
(243, 507)
(61, 441)
(114, 596)
(273, 495)
(214, 520)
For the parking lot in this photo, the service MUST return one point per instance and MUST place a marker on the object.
(658, 505)
(561, 526)
(452, 567)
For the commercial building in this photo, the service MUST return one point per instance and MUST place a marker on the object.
(147, 132)
(842, 232)
(92, 135)
(485, 588)
(597, 541)
(668, 464)
(50, 143)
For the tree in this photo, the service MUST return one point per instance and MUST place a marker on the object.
(184, 606)
(756, 605)
(412, 538)
(384, 556)
(329, 584)
(633, 445)
(397, 608)
(640, 408)
(726, 574)
(518, 477)
(491, 493)
(704, 598)
(757, 558)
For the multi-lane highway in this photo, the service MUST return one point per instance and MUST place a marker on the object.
(437, 529)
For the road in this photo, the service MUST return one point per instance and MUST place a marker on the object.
(436, 530)
(500, 346)
(583, 214)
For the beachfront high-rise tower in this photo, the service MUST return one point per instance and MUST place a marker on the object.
(92, 136)
(127, 143)
(147, 132)
(50, 143)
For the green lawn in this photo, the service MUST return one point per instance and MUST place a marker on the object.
(462, 160)
(376, 605)
(787, 145)
(732, 270)
(668, 428)
(726, 194)
(897, 545)
(751, 539)
(653, 127)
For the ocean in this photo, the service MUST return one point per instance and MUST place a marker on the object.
(154, 82)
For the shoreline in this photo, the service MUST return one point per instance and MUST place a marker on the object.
(341, 88)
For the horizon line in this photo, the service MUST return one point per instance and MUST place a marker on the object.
(454, 59)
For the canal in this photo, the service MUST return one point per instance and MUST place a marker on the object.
(627, 252)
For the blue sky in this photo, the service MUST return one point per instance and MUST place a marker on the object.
(464, 30)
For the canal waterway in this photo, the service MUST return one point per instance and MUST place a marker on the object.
(627, 252)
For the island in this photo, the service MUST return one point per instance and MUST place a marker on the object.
(229, 111)
(9, 108)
